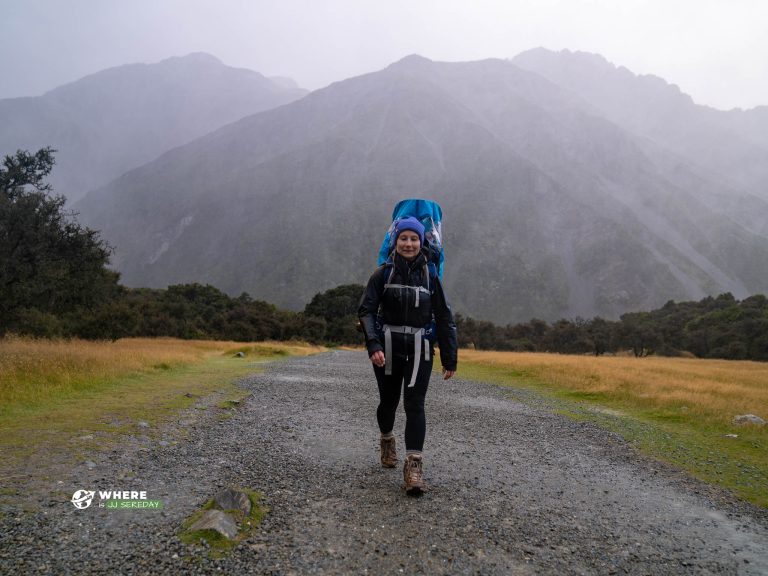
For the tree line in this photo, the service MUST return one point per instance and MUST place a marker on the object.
(54, 282)
(714, 327)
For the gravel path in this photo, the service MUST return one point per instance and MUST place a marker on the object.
(515, 489)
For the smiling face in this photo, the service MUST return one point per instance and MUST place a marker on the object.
(408, 244)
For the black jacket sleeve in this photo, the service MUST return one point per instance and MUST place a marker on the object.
(369, 307)
(446, 328)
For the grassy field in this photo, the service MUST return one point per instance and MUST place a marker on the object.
(73, 397)
(678, 410)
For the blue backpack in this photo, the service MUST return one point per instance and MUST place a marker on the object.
(430, 215)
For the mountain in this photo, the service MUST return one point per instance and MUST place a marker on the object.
(731, 146)
(109, 122)
(551, 208)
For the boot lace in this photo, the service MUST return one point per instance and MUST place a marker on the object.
(414, 471)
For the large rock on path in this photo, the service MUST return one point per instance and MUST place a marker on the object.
(217, 520)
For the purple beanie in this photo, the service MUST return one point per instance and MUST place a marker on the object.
(412, 224)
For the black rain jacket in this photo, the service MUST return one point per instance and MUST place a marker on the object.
(397, 306)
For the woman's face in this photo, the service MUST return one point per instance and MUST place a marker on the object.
(408, 244)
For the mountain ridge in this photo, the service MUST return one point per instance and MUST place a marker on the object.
(731, 145)
(116, 119)
(552, 210)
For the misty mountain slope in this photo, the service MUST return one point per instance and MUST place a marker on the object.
(525, 112)
(752, 123)
(562, 137)
(599, 161)
(731, 145)
(551, 210)
(109, 122)
(293, 209)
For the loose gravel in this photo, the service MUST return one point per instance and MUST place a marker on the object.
(515, 489)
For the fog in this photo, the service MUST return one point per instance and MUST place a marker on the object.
(714, 51)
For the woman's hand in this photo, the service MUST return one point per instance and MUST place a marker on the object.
(448, 373)
(378, 358)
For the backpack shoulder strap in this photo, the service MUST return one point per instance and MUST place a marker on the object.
(388, 275)
(431, 273)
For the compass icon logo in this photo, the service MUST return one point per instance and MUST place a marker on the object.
(82, 498)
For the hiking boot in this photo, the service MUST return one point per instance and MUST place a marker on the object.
(413, 475)
(388, 452)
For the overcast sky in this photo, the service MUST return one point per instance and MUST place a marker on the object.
(714, 50)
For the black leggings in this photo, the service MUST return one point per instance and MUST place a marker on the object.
(413, 398)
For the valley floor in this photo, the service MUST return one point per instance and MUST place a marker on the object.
(515, 489)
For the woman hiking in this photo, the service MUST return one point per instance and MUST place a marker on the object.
(402, 311)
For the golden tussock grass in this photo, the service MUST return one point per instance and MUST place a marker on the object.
(36, 371)
(679, 410)
(715, 389)
(63, 400)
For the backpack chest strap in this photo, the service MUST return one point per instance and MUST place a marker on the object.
(416, 289)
